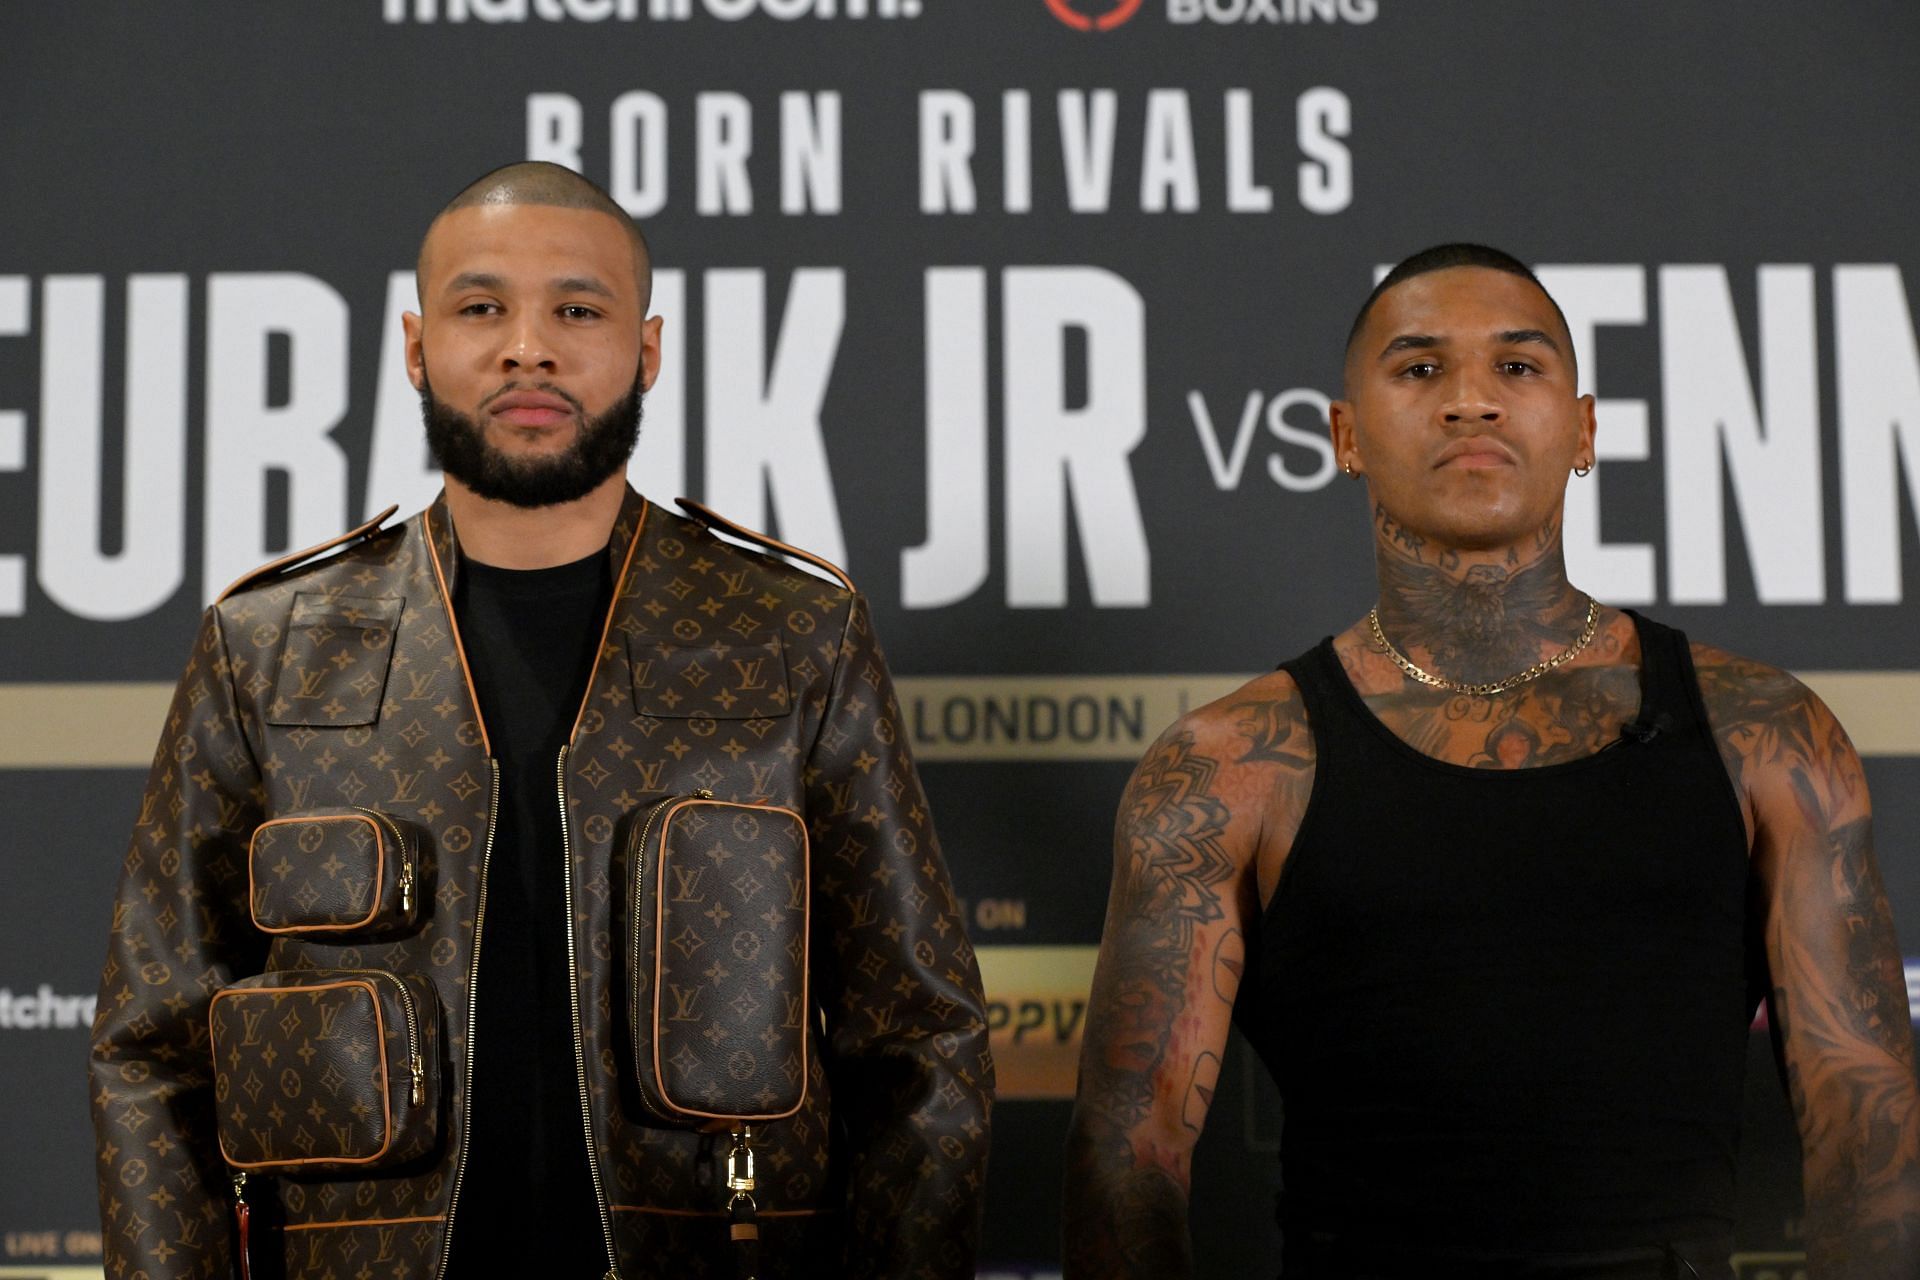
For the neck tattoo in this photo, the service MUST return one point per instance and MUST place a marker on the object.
(1492, 687)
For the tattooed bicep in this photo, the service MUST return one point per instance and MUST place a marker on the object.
(1224, 777)
(1272, 730)
(1788, 754)
(1170, 837)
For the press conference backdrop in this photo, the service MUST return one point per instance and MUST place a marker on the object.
(1028, 312)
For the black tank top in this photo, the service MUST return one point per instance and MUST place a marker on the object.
(1508, 1009)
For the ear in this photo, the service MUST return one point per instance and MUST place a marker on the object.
(1341, 430)
(1588, 425)
(413, 326)
(650, 350)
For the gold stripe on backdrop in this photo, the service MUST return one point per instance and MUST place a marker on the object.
(80, 726)
(1116, 717)
(948, 718)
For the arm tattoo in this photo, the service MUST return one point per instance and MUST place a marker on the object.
(1274, 733)
(1851, 1073)
(1839, 992)
(1761, 717)
(1201, 1083)
(1229, 964)
(1877, 976)
(1126, 1195)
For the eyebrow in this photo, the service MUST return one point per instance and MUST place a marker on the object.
(475, 280)
(1410, 342)
(581, 284)
(494, 284)
(1514, 336)
(1507, 338)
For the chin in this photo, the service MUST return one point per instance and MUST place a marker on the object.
(533, 441)
(1483, 531)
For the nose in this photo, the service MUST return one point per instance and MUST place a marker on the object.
(1473, 397)
(528, 347)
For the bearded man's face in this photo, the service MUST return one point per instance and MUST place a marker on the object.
(600, 447)
(531, 349)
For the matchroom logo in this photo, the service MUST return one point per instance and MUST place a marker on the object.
(425, 11)
(43, 1010)
(1094, 15)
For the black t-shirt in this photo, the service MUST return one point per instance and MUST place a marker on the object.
(526, 1203)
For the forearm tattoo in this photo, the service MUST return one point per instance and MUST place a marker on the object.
(1126, 1211)
(1839, 992)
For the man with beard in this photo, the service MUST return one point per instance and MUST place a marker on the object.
(503, 686)
(1493, 881)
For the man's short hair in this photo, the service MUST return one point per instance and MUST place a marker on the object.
(1443, 256)
(542, 182)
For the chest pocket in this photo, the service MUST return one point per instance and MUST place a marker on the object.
(333, 667)
(723, 680)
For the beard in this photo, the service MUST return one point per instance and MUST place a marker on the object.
(600, 449)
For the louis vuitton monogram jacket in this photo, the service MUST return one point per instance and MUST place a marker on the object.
(342, 683)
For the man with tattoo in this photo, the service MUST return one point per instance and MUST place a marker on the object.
(1493, 881)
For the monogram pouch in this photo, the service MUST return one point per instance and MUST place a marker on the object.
(326, 1069)
(717, 955)
(337, 870)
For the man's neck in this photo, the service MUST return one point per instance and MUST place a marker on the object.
(510, 537)
(1475, 616)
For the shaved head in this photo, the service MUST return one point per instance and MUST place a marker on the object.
(540, 182)
(1444, 257)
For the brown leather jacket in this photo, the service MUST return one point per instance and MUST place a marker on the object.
(342, 682)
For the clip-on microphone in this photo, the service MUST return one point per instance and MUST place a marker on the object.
(1644, 728)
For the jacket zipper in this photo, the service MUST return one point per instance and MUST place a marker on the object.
(415, 1068)
(579, 1041)
(405, 859)
(480, 909)
(473, 1009)
(639, 858)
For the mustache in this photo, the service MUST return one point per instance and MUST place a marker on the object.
(602, 447)
(544, 388)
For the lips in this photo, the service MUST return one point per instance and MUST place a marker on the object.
(1475, 452)
(531, 408)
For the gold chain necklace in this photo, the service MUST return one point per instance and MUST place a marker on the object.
(1533, 672)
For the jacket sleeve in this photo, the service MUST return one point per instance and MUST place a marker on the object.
(179, 934)
(908, 1062)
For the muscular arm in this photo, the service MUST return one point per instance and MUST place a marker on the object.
(1838, 1001)
(1187, 836)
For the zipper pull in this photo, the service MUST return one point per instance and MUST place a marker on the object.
(419, 1080)
(406, 886)
(743, 1222)
(242, 1224)
(704, 793)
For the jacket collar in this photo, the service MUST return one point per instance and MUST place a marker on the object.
(446, 546)
(443, 549)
